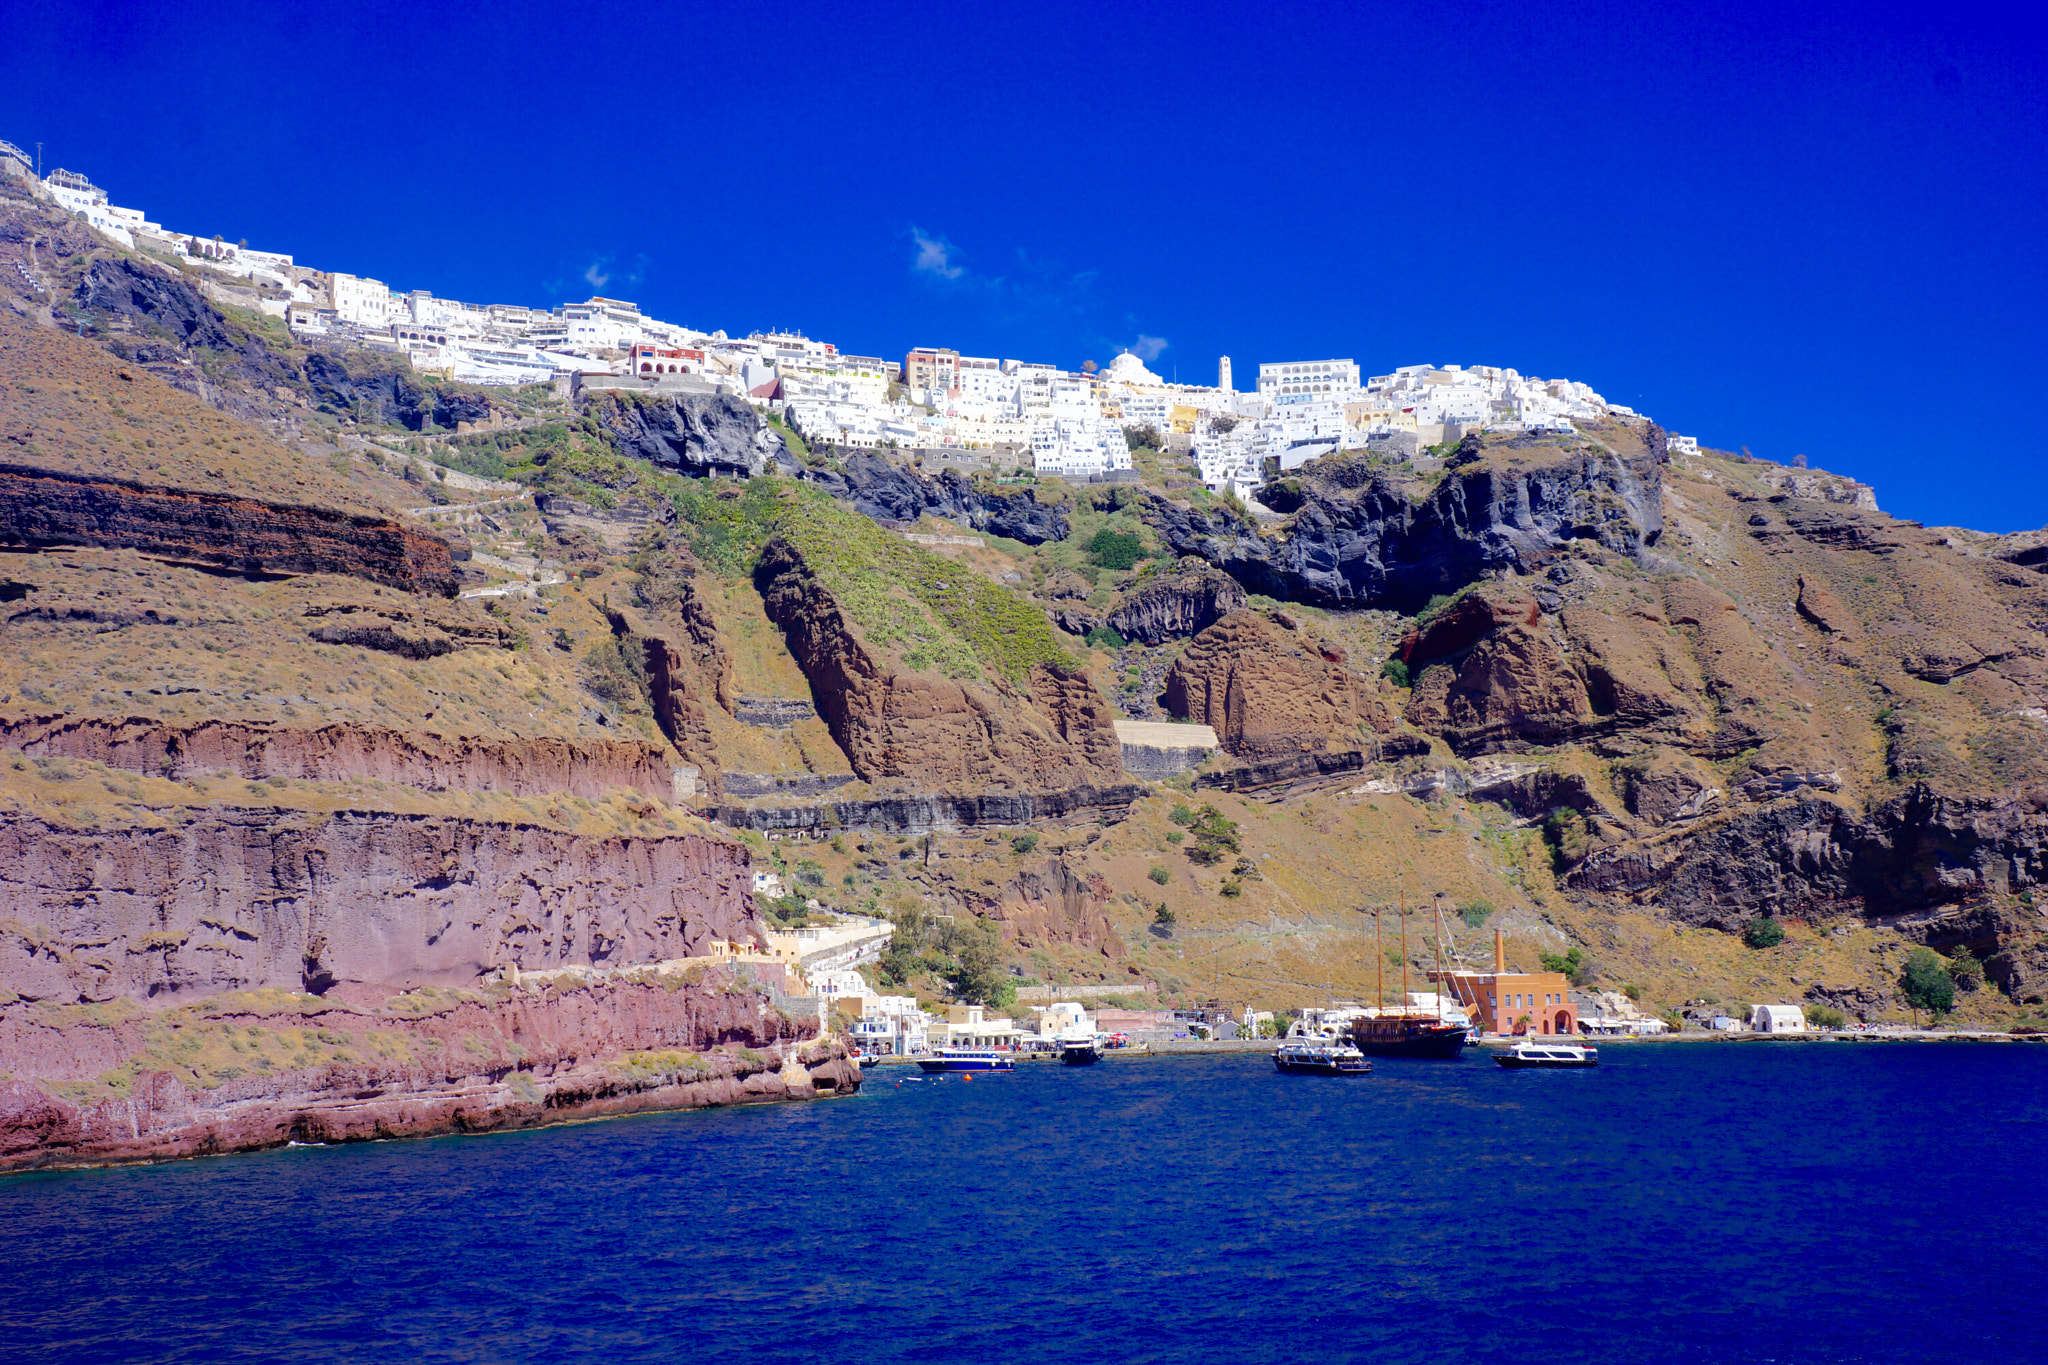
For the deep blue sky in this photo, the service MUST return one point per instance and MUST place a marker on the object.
(1811, 229)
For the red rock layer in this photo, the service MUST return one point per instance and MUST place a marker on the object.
(226, 900)
(1054, 734)
(532, 766)
(46, 507)
(1054, 904)
(1269, 692)
(507, 1058)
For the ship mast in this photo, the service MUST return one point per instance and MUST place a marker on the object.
(1404, 950)
(1379, 958)
(1437, 907)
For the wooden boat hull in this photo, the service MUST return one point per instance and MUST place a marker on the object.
(1401, 1038)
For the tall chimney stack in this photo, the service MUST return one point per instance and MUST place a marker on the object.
(1500, 952)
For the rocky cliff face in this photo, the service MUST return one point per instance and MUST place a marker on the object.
(121, 287)
(161, 319)
(531, 766)
(1270, 692)
(251, 898)
(41, 507)
(1176, 606)
(371, 389)
(1056, 903)
(304, 1070)
(892, 494)
(1942, 868)
(689, 433)
(1360, 537)
(1054, 732)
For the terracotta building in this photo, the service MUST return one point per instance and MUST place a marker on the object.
(1501, 1001)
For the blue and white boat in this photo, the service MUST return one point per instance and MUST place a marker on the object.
(948, 1059)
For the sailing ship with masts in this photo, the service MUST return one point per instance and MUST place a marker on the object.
(1409, 1030)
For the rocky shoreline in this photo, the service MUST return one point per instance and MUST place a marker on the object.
(126, 1085)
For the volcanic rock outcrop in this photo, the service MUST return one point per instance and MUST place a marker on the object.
(504, 1055)
(250, 898)
(351, 384)
(1270, 692)
(1177, 606)
(40, 507)
(692, 433)
(1051, 732)
(1359, 537)
(894, 495)
(532, 765)
(1054, 903)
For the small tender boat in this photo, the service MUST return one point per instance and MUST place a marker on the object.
(950, 1059)
(1318, 1057)
(1080, 1052)
(1531, 1052)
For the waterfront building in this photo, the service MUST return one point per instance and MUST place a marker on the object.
(1505, 1002)
(971, 1026)
(1061, 1019)
(1777, 1019)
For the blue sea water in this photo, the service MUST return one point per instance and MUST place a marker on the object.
(1824, 1202)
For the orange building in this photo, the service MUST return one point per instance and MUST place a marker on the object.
(1501, 1001)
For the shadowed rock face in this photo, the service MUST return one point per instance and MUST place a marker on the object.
(1364, 542)
(354, 385)
(889, 493)
(690, 433)
(124, 288)
(245, 899)
(48, 507)
(1053, 733)
(1922, 860)
(1175, 608)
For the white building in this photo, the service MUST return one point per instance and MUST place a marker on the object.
(1063, 1019)
(88, 201)
(1777, 1019)
(600, 324)
(1304, 381)
(364, 302)
(1076, 447)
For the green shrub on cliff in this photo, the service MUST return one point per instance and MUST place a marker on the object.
(1763, 932)
(939, 615)
(1116, 549)
(1573, 963)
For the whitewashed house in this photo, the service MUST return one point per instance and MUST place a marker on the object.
(1777, 1019)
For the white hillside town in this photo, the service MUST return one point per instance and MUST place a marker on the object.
(953, 408)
